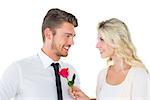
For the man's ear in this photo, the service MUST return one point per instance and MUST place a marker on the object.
(48, 33)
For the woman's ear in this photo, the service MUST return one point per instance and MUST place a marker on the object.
(48, 33)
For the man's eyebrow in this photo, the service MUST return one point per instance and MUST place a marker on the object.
(71, 34)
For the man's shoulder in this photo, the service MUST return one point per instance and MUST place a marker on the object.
(29, 59)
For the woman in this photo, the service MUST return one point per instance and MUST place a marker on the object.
(126, 77)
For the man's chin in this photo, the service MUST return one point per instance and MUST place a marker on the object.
(64, 55)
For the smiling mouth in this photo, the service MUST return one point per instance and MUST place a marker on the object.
(101, 52)
(66, 48)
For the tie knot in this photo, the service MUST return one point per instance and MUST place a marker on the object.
(55, 66)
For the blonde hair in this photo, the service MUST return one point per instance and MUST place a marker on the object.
(116, 33)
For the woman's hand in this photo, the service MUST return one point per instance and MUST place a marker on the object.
(77, 94)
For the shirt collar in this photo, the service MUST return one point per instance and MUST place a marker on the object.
(47, 61)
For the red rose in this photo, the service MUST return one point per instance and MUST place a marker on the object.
(64, 73)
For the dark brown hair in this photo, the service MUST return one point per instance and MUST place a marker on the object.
(55, 17)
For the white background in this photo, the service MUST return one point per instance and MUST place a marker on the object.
(20, 31)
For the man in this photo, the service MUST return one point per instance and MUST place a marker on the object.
(34, 78)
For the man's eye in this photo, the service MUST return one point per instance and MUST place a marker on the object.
(67, 35)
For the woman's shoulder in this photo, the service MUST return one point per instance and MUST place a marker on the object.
(139, 73)
(102, 73)
(139, 70)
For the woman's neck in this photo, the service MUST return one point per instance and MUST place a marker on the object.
(119, 64)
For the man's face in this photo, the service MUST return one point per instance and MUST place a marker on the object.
(63, 39)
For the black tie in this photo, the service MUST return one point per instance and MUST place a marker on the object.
(58, 82)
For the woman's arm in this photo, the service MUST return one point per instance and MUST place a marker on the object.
(77, 94)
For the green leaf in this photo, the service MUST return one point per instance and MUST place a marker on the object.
(70, 83)
(73, 78)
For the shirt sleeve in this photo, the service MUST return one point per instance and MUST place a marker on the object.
(9, 83)
(140, 85)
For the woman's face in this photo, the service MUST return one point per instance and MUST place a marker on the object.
(106, 50)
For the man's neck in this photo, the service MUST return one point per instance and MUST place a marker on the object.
(50, 54)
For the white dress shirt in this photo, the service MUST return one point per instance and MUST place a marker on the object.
(134, 87)
(33, 79)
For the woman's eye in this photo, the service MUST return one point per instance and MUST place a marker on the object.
(101, 39)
